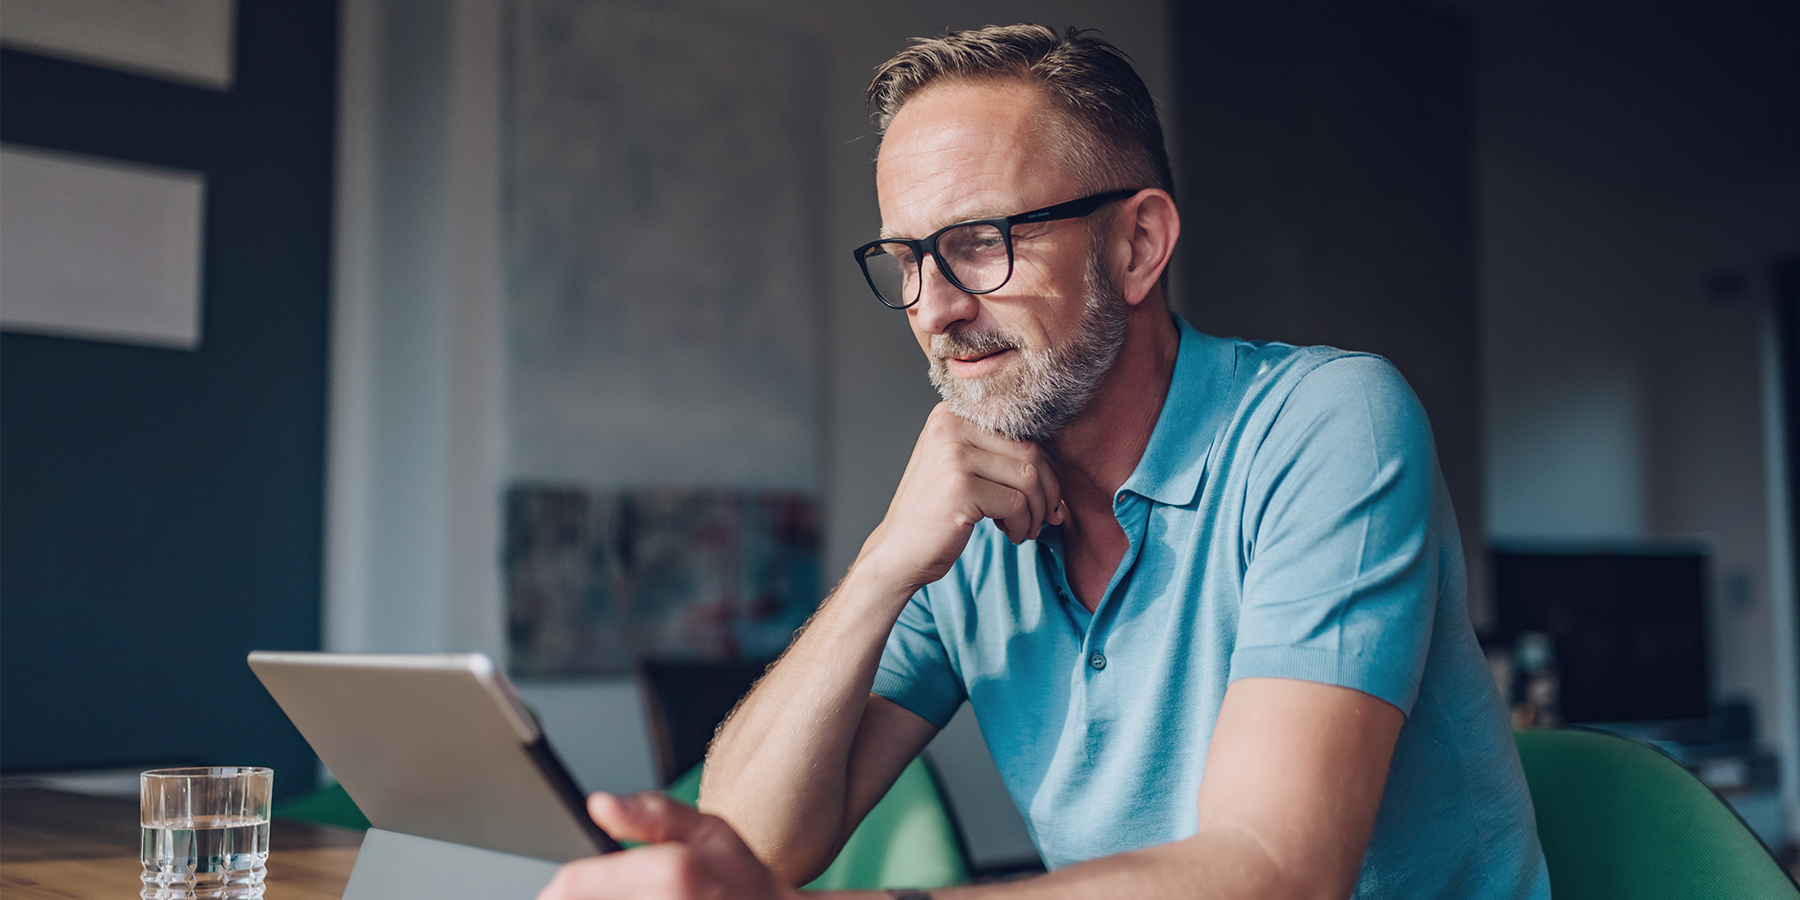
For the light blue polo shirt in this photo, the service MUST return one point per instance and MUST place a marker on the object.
(1287, 519)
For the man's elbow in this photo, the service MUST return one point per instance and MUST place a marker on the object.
(795, 864)
(795, 856)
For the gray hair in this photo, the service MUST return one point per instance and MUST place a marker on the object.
(1114, 138)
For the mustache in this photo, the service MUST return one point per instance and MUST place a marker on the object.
(952, 344)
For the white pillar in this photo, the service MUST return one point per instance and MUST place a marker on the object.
(413, 482)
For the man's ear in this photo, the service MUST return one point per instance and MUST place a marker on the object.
(1151, 225)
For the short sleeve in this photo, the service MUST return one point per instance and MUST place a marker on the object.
(1341, 577)
(915, 671)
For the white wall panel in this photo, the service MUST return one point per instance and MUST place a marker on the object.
(181, 40)
(100, 249)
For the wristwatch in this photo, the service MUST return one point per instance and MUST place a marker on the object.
(908, 894)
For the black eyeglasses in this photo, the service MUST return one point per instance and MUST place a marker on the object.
(976, 256)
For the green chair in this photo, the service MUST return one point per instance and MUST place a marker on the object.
(1620, 819)
(906, 841)
(327, 805)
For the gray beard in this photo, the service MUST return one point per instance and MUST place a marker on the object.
(1048, 388)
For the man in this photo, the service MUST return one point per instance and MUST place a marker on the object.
(1205, 596)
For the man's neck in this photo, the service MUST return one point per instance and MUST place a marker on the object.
(1099, 450)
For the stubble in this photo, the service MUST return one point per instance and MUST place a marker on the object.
(1047, 388)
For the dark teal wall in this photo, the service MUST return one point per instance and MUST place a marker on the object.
(161, 510)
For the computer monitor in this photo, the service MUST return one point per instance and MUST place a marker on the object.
(1628, 627)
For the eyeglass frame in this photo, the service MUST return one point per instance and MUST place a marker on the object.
(1079, 208)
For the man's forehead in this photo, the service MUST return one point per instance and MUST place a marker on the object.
(923, 207)
(962, 150)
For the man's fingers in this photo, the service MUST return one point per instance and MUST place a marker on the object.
(994, 442)
(652, 818)
(648, 817)
(667, 870)
(1009, 508)
(691, 855)
(1047, 487)
(1052, 488)
(958, 475)
(1017, 477)
(1030, 478)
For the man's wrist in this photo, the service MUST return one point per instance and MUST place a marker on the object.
(868, 566)
(870, 582)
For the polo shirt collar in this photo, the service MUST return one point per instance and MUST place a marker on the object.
(1175, 459)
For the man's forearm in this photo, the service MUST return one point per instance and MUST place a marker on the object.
(1221, 865)
(808, 753)
(779, 769)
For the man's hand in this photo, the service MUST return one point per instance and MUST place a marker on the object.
(959, 474)
(693, 856)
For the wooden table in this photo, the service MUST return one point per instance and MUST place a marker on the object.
(61, 846)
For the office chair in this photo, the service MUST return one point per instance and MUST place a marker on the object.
(1619, 819)
(684, 702)
(327, 804)
(909, 839)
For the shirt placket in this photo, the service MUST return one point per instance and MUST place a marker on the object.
(1101, 672)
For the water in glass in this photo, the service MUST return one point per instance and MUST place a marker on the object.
(206, 858)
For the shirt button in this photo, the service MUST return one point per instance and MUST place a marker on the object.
(1098, 661)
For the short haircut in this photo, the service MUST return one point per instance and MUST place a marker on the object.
(1110, 136)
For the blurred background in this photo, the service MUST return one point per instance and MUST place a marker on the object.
(529, 327)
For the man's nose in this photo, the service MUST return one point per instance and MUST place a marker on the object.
(941, 304)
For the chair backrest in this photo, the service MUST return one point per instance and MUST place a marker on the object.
(907, 841)
(684, 702)
(1620, 819)
(327, 805)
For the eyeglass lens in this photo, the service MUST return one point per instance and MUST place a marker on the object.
(975, 256)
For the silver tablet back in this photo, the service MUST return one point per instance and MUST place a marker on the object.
(434, 745)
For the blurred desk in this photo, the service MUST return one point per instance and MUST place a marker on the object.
(56, 845)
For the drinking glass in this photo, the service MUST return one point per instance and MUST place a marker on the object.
(206, 832)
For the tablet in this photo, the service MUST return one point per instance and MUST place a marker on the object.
(435, 745)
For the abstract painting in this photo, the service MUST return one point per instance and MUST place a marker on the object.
(597, 580)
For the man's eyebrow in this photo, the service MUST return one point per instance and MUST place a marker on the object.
(888, 233)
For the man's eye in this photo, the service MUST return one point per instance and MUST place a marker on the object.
(973, 240)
